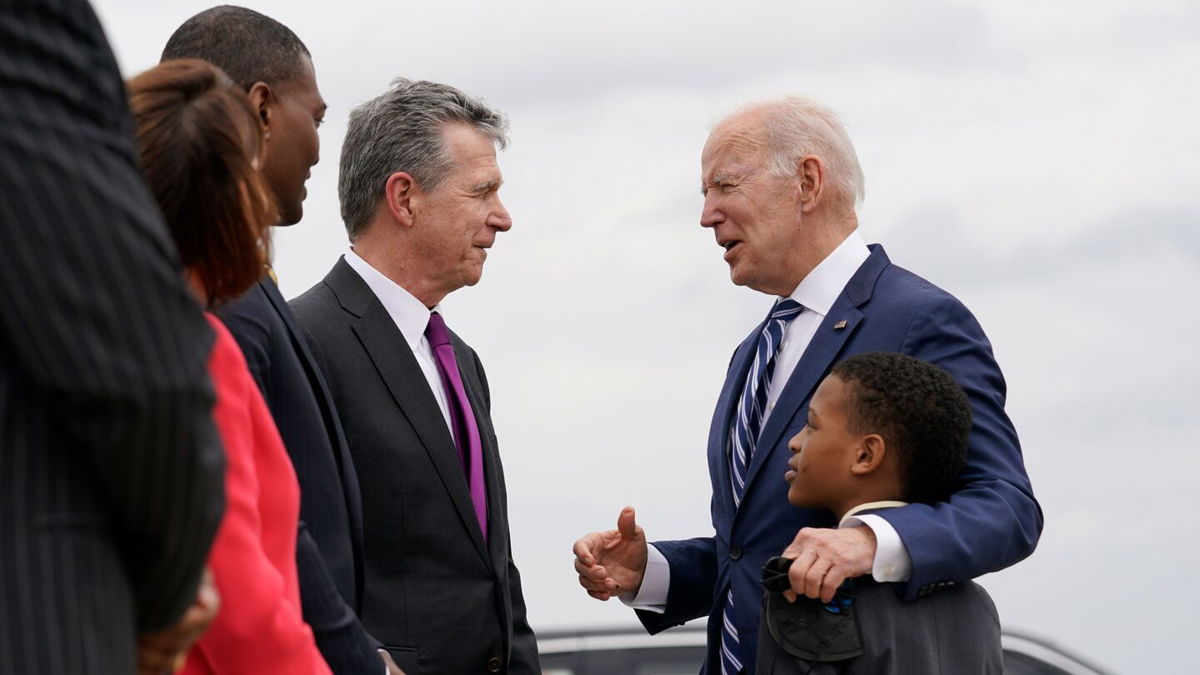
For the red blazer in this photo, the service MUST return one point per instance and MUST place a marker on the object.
(259, 628)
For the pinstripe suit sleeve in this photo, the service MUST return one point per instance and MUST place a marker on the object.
(94, 317)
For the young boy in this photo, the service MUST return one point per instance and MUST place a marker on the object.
(883, 429)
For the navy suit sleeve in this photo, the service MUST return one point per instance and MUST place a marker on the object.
(245, 318)
(693, 577)
(992, 520)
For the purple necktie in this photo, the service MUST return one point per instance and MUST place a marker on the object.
(462, 418)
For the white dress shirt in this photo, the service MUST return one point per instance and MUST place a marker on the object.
(411, 317)
(817, 293)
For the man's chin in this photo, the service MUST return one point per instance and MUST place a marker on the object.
(287, 219)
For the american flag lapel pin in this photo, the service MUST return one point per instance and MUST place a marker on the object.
(839, 325)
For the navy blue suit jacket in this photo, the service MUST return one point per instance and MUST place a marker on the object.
(329, 544)
(990, 522)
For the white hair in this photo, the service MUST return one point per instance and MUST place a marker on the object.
(797, 127)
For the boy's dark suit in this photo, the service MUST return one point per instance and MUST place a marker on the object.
(440, 598)
(951, 632)
(110, 466)
(991, 522)
(329, 545)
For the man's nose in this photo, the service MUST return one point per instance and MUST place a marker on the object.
(710, 216)
(500, 219)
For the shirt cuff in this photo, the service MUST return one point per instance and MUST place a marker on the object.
(892, 562)
(656, 581)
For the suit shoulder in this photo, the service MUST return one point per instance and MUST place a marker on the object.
(251, 318)
(313, 306)
(898, 289)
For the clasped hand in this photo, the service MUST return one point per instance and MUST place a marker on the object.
(824, 558)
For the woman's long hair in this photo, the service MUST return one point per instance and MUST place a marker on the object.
(199, 141)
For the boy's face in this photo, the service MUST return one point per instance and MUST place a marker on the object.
(823, 451)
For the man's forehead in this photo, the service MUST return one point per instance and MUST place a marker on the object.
(732, 139)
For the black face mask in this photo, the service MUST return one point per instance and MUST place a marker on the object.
(809, 629)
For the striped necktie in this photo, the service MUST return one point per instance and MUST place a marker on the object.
(743, 436)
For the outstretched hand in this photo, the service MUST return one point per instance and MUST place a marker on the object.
(612, 562)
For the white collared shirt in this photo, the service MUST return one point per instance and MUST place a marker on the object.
(816, 292)
(411, 317)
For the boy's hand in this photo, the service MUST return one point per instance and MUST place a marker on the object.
(612, 562)
(825, 557)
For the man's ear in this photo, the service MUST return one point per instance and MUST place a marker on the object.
(398, 193)
(868, 455)
(262, 100)
(810, 176)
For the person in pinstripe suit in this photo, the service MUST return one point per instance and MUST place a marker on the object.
(110, 466)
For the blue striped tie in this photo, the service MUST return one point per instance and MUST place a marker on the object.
(742, 438)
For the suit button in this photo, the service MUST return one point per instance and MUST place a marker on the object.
(494, 664)
(735, 553)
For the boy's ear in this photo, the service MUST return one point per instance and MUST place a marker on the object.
(868, 455)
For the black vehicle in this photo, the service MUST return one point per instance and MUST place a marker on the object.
(630, 651)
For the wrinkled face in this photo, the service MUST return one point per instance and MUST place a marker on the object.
(823, 451)
(456, 222)
(754, 215)
(296, 110)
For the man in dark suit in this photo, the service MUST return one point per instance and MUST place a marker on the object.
(275, 69)
(419, 191)
(781, 183)
(110, 467)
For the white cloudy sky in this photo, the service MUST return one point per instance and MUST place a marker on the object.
(1035, 159)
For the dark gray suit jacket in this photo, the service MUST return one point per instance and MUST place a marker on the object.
(110, 466)
(329, 560)
(440, 598)
(953, 631)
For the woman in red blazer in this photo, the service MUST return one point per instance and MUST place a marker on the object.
(200, 146)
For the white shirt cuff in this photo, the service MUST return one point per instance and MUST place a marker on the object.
(892, 562)
(656, 581)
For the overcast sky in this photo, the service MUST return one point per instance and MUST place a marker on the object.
(1038, 160)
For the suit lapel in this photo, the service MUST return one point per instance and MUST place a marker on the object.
(497, 544)
(389, 352)
(718, 451)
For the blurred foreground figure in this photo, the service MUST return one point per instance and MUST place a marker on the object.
(781, 184)
(201, 145)
(275, 71)
(110, 467)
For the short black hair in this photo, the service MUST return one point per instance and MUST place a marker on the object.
(919, 410)
(248, 46)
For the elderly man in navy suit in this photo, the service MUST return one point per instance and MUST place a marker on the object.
(781, 182)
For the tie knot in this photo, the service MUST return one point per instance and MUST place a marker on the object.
(786, 309)
(436, 332)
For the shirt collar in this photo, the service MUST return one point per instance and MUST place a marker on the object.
(870, 506)
(409, 314)
(818, 291)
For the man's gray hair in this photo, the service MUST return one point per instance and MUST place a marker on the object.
(797, 127)
(402, 131)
